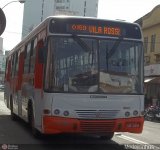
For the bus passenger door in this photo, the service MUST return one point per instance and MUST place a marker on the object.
(7, 89)
(38, 85)
(19, 82)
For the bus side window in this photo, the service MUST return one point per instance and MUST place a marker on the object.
(27, 57)
(8, 69)
(16, 64)
(41, 52)
(12, 65)
(33, 55)
(38, 75)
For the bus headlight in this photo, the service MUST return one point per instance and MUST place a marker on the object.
(135, 113)
(56, 111)
(127, 114)
(66, 113)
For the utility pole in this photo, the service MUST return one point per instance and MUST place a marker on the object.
(85, 3)
(42, 10)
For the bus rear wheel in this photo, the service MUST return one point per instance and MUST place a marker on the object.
(31, 121)
(108, 136)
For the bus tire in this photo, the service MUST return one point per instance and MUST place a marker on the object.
(13, 115)
(31, 121)
(107, 137)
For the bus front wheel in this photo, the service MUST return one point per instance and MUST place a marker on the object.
(31, 121)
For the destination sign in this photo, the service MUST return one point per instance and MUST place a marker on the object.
(97, 27)
(93, 29)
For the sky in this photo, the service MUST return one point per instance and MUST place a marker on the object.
(128, 10)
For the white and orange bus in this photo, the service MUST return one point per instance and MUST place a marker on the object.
(78, 75)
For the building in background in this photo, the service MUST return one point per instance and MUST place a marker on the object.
(1, 45)
(35, 12)
(2, 62)
(150, 24)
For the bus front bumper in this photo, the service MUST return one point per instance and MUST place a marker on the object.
(56, 125)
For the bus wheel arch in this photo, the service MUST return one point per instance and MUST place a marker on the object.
(29, 111)
(31, 120)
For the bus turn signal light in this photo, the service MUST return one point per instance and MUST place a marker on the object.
(46, 111)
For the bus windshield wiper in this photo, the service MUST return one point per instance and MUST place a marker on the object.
(114, 47)
(82, 43)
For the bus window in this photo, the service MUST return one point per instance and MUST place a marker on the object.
(33, 55)
(27, 57)
(16, 63)
(7, 69)
(41, 51)
(74, 72)
(13, 65)
(119, 72)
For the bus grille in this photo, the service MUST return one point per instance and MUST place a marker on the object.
(97, 126)
(97, 114)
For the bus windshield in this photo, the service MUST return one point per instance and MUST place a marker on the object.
(90, 65)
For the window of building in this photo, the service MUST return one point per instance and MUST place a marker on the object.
(146, 60)
(60, 7)
(145, 44)
(59, 1)
(157, 58)
(153, 39)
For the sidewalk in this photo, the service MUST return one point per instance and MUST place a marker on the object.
(3, 109)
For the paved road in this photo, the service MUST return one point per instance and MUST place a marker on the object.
(18, 135)
(150, 134)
